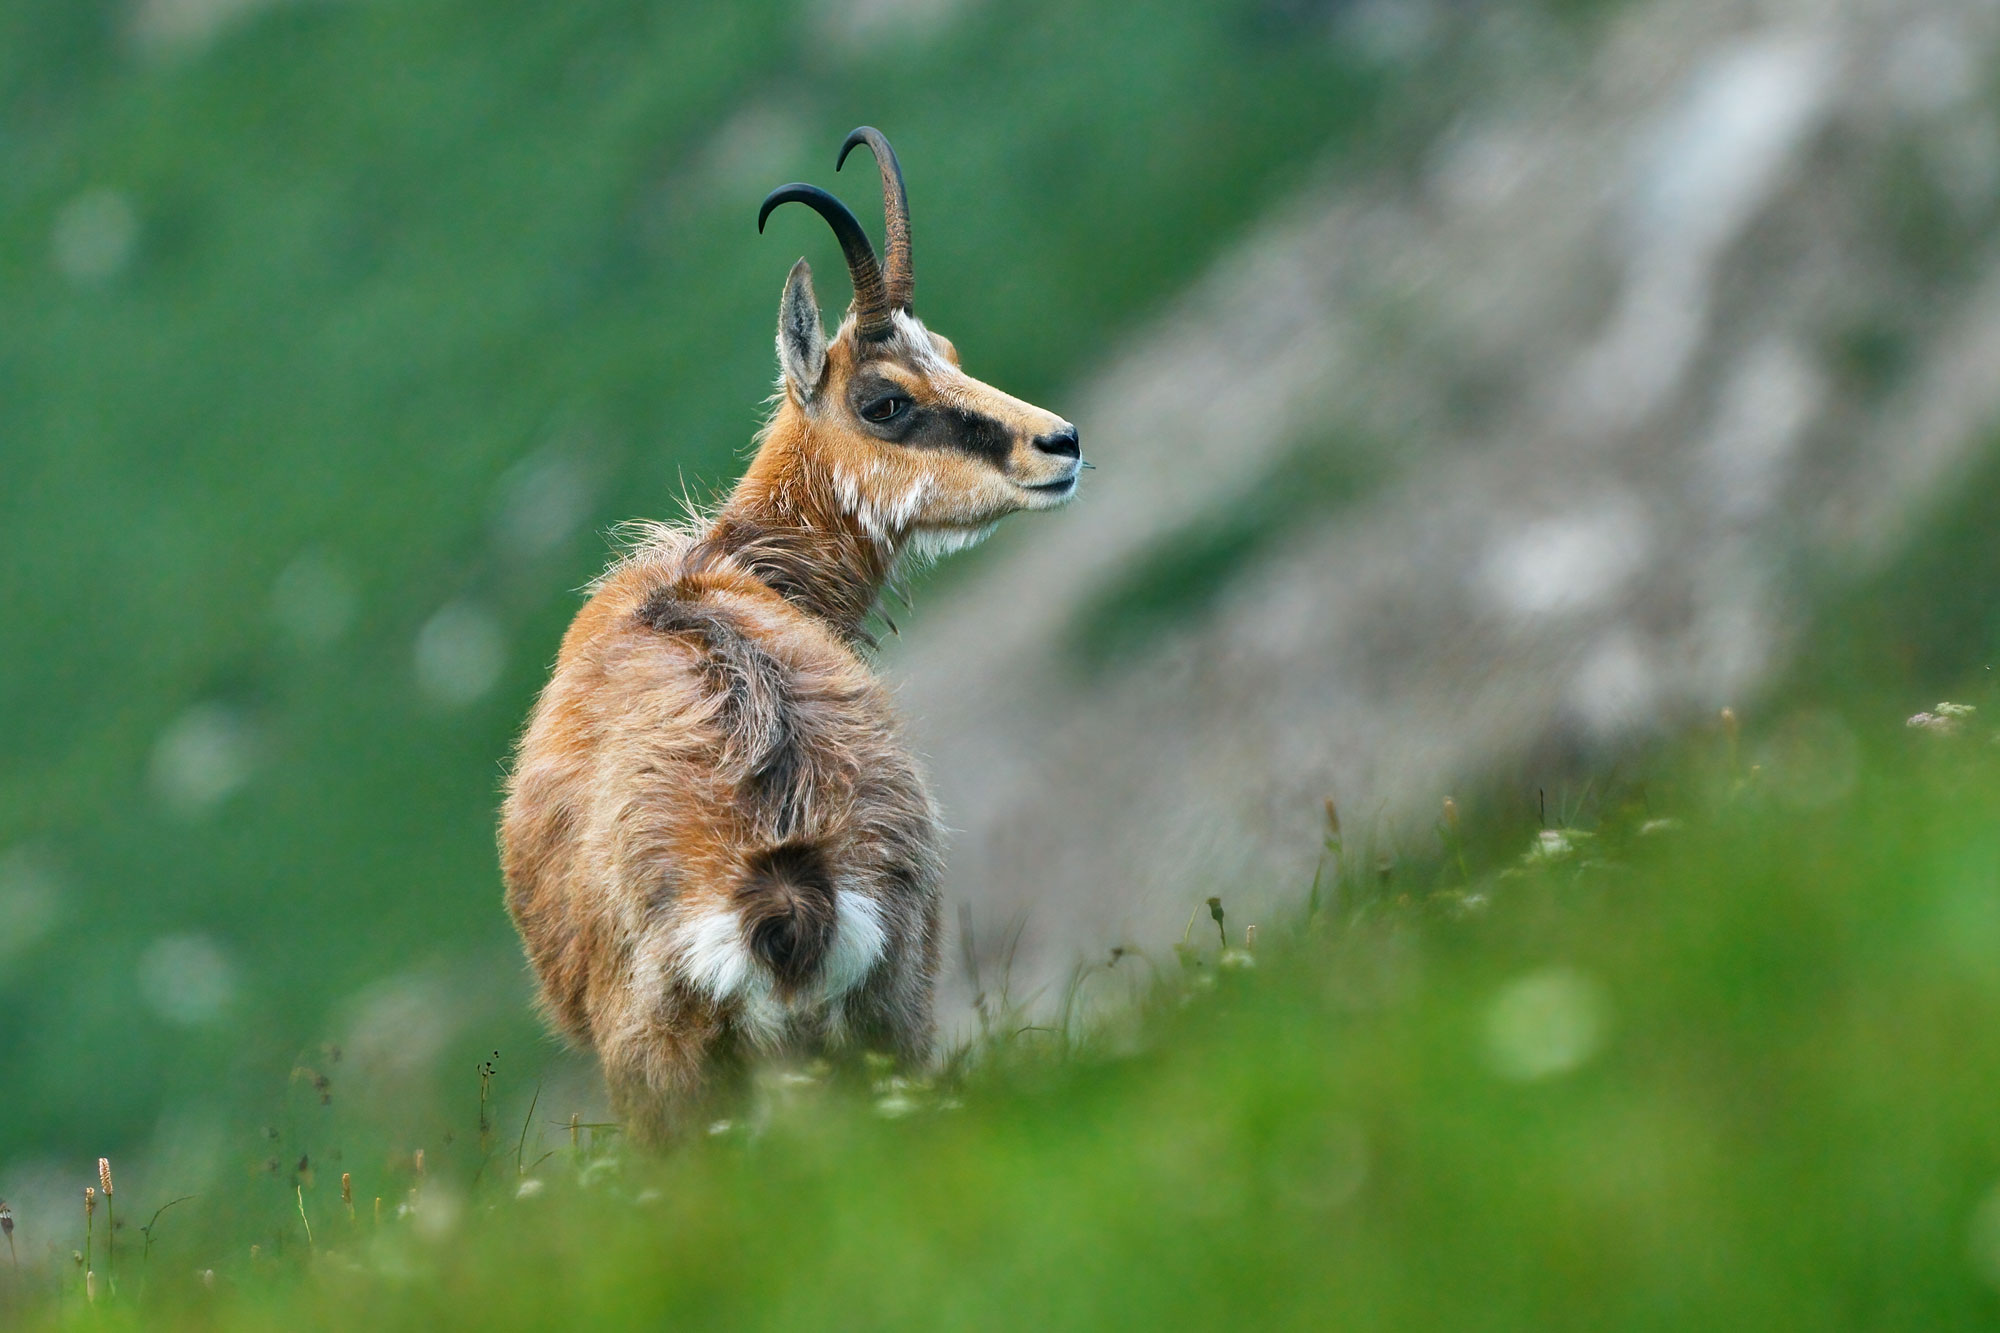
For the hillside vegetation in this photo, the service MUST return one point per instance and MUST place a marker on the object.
(1720, 1067)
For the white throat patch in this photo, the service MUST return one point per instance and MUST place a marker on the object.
(927, 546)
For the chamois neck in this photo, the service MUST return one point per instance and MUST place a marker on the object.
(786, 525)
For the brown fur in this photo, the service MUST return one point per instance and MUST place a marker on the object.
(712, 766)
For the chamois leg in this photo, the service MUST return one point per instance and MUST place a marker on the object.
(664, 1075)
(653, 1095)
(892, 1014)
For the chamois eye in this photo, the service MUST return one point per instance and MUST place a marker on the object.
(886, 409)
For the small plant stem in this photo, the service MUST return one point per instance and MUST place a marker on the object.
(146, 1252)
(300, 1191)
(1454, 839)
(487, 1069)
(521, 1148)
(1076, 979)
(1333, 846)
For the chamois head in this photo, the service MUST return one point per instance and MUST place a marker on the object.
(915, 449)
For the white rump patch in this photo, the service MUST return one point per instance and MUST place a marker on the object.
(715, 959)
(859, 942)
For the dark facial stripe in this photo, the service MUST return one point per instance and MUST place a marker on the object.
(968, 432)
(982, 436)
(931, 426)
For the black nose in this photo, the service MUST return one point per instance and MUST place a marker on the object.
(1062, 443)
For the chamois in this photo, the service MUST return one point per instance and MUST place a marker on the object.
(716, 844)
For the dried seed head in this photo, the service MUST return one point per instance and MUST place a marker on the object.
(6, 1220)
(420, 1161)
(1729, 724)
(1451, 814)
(104, 1175)
(208, 1278)
(89, 1200)
(90, 1286)
(1250, 938)
(347, 1189)
(1332, 818)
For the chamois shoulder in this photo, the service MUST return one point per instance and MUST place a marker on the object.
(669, 568)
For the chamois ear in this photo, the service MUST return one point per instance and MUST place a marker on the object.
(801, 340)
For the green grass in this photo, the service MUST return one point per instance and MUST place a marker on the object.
(1730, 1073)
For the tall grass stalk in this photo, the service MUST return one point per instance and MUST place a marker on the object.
(110, 1224)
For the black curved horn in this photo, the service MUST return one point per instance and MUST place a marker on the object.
(898, 275)
(871, 300)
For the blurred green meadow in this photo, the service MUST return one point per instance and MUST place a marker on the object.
(333, 344)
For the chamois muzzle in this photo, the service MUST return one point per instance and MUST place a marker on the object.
(1062, 443)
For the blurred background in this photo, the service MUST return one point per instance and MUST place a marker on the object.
(1479, 388)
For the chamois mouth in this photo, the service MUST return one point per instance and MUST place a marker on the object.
(1061, 486)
